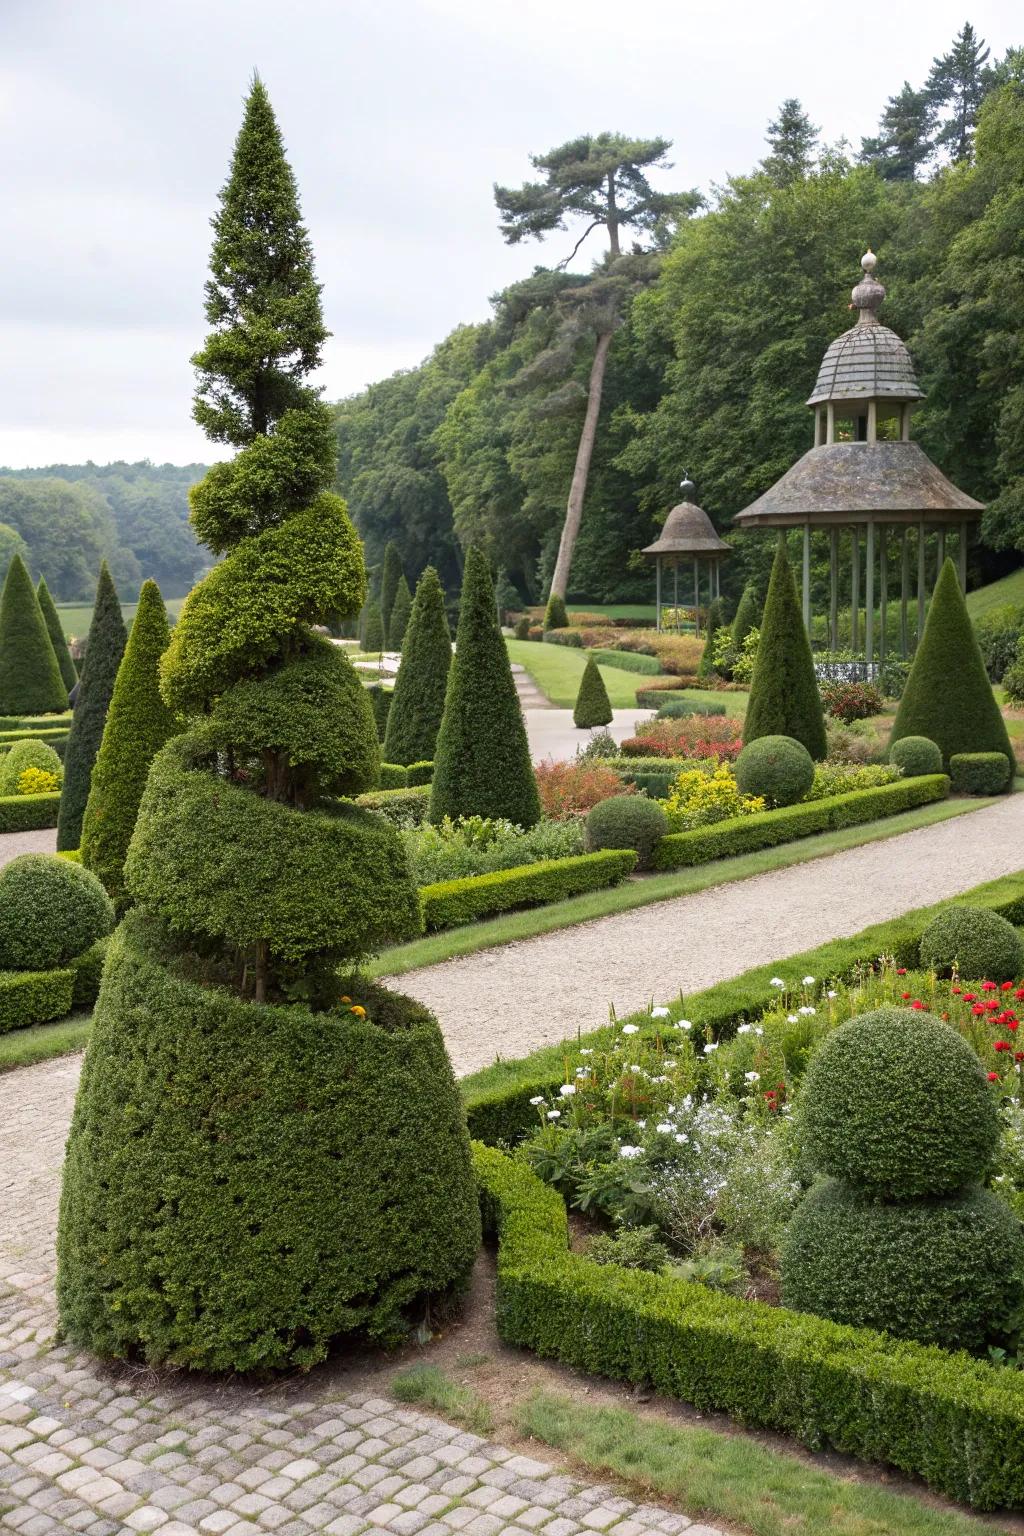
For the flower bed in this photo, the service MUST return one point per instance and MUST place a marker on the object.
(691, 736)
(570, 789)
(477, 845)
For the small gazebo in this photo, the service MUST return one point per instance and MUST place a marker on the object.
(866, 476)
(688, 538)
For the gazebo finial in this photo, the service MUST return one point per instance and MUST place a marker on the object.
(869, 292)
(687, 487)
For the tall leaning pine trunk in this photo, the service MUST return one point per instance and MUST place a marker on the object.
(584, 453)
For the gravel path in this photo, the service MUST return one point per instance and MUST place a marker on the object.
(508, 1001)
(14, 843)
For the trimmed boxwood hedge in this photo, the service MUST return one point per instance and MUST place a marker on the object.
(956, 1422)
(39, 997)
(28, 813)
(979, 773)
(628, 661)
(746, 834)
(449, 902)
(401, 805)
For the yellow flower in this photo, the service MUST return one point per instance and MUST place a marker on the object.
(360, 1012)
(346, 999)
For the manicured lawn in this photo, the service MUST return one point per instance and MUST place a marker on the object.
(557, 669)
(615, 610)
(22, 1047)
(1008, 589)
(76, 617)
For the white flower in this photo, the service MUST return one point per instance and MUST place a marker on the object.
(683, 1024)
(791, 1018)
(744, 1029)
(758, 1030)
(554, 1114)
(711, 1046)
(663, 1129)
(631, 1029)
(586, 1050)
(642, 1124)
(537, 1099)
(752, 1077)
(831, 994)
(808, 981)
(631, 1151)
(806, 1009)
(776, 981)
(682, 1139)
(567, 1090)
(582, 1071)
(659, 1013)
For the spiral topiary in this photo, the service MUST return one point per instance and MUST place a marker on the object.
(50, 911)
(777, 768)
(915, 756)
(263, 1157)
(975, 941)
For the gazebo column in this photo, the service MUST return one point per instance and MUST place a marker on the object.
(962, 552)
(869, 597)
(904, 590)
(941, 550)
(696, 596)
(657, 593)
(883, 593)
(922, 579)
(807, 577)
(855, 588)
(833, 590)
(675, 594)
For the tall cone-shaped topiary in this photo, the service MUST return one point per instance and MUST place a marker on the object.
(401, 610)
(555, 615)
(482, 761)
(784, 697)
(706, 665)
(262, 1157)
(58, 639)
(30, 680)
(138, 725)
(418, 700)
(592, 707)
(948, 696)
(373, 628)
(746, 616)
(103, 652)
(390, 572)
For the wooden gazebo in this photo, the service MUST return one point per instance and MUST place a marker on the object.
(688, 539)
(865, 475)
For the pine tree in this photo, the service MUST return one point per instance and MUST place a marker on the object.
(791, 138)
(904, 142)
(243, 1183)
(784, 697)
(418, 701)
(400, 612)
(746, 616)
(55, 630)
(958, 80)
(482, 761)
(373, 629)
(138, 725)
(592, 706)
(103, 652)
(392, 570)
(30, 680)
(948, 697)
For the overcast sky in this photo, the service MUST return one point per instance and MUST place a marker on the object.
(117, 119)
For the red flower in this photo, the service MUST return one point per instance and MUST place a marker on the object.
(1019, 994)
(955, 991)
(993, 1077)
(902, 971)
(917, 1003)
(978, 1009)
(1001, 1045)
(968, 997)
(1018, 1055)
(1007, 985)
(988, 986)
(1011, 1024)
(904, 995)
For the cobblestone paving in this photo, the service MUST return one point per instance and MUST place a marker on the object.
(102, 1452)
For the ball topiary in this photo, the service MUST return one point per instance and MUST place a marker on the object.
(979, 943)
(27, 754)
(626, 821)
(50, 911)
(896, 1102)
(937, 1271)
(915, 756)
(775, 767)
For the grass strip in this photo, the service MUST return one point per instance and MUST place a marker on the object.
(429, 1386)
(557, 670)
(641, 892)
(24, 1047)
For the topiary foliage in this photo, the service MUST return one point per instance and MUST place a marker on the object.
(373, 628)
(706, 665)
(948, 696)
(401, 611)
(784, 697)
(976, 942)
(30, 678)
(27, 754)
(777, 768)
(592, 706)
(138, 724)
(555, 615)
(50, 911)
(391, 572)
(915, 756)
(58, 639)
(746, 617)
(896, 1102)
(417, 703)
(626, 821)
(103, 654)
(482, 761)
(978, 773)
(257, 1165)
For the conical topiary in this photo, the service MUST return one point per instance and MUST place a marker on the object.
(373, 628)
(390, 573)
(401, 610)
(784, 697)
(30, 680)
(706, 665)
(138, 725)
(103, 653)
(482, 761)
(948, 696)
(262, 1158)
(418, 700)
(746, 616)
(506, 595)
(58, 639)
(555, 615)
(592, 706)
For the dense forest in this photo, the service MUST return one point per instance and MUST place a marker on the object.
(713, 314)
(65, 518)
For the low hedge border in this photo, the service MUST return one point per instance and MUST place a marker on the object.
(957, 1423)
(748, 834)
(398, 804)
(980, 773)
(628, 661)
(398, 776)
(39, 997)
(28, 813)
(450, 902)
(29, 725)
(58, 740)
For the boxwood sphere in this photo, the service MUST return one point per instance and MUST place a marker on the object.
(27, 754)
(626, 821)
(896, 1102)
(981, 945)
(915, 755)
(776, 767)
(938, 1271)
(50, 911)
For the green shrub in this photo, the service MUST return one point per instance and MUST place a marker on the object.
(626, 661)
(87, 970)
(707, 661)
(34, 997)
(938, 1271)
(677, 709)
(570, 637)
(58, 639)
(380, 702)
(979, 773)
(417, 704)
(555, 616)
(400, 806)
(998, 632)
(522, 629)
(915, 755)
(50, 910)
(372, 637)
(507, 597)
(103, 658)
(653, 698)
(784, 697)
(391, 573)
(746, 618)
(896, 1103)
(593, 707)
(627, 821)
(380, 1208)
(28, 813)
(27, 753)
(482, 762)
(948, 696)
(401, 612)
(30, 678)
(392, 776)
(979, 944)
(419, 773)
(451, 902)
(748, 834)
(776, 768)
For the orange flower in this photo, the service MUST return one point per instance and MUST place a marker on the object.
(359, 1012)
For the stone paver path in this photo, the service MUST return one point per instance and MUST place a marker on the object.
(103, 1452)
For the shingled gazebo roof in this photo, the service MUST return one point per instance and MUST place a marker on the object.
(688, 531)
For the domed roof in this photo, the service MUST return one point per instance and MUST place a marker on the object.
(688, 531)
(869, 361)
